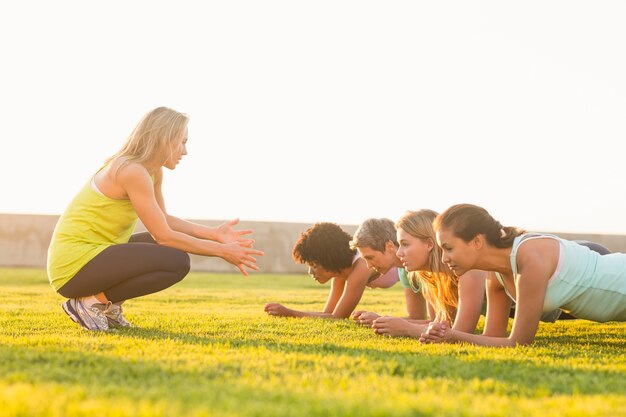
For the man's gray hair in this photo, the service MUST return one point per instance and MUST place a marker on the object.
(374, 233)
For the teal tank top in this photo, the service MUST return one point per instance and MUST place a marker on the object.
(406, 283)
(404, 279)
(586, 284)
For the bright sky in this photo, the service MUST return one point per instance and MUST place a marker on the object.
(327, 110)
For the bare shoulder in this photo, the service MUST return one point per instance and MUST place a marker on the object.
(359, 265)
(128, 170)
(360, 269)
(538, 249)
(128, 175)
(538, 256)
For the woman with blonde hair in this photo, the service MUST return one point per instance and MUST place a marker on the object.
(455, 300)
(96, 262)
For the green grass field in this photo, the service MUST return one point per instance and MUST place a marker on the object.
(206, 348)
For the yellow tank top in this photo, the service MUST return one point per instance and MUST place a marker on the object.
(91, 223)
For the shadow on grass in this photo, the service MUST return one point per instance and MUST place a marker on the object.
(519, 375)
(607, 336)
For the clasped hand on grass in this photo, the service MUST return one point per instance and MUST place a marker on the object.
(437, 332)
(395, 326)
(276, 309)
(365, 318)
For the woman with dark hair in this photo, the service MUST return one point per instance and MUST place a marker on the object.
(540, 272)
(325, 248)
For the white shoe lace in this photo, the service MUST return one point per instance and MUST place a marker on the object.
(114, 312)
(100, 316)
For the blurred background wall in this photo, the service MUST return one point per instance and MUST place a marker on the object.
(24, 242)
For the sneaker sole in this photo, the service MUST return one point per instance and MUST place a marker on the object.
(73, 314)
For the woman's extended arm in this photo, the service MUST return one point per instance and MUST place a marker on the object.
(344, 296)
(471, 300)
(353, 291)
(498, 308)
(337, 286)
(137, 184)
(416, 306)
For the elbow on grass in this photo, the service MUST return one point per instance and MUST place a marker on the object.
(516, 343)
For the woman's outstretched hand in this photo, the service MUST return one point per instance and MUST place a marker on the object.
(436, 332)
(225, 233)
(279, 310)
(240, 255)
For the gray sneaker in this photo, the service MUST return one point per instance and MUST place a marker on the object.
(115, 316)
(90, 318)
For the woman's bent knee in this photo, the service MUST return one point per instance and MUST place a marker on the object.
(183, 265)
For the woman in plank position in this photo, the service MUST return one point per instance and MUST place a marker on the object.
(326, 249)
(540, 272)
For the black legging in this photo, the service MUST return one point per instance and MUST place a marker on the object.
(129, 270)
(596, 247)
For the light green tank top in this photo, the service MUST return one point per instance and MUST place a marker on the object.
(406, 283)
(586, 284)
(91, 223)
